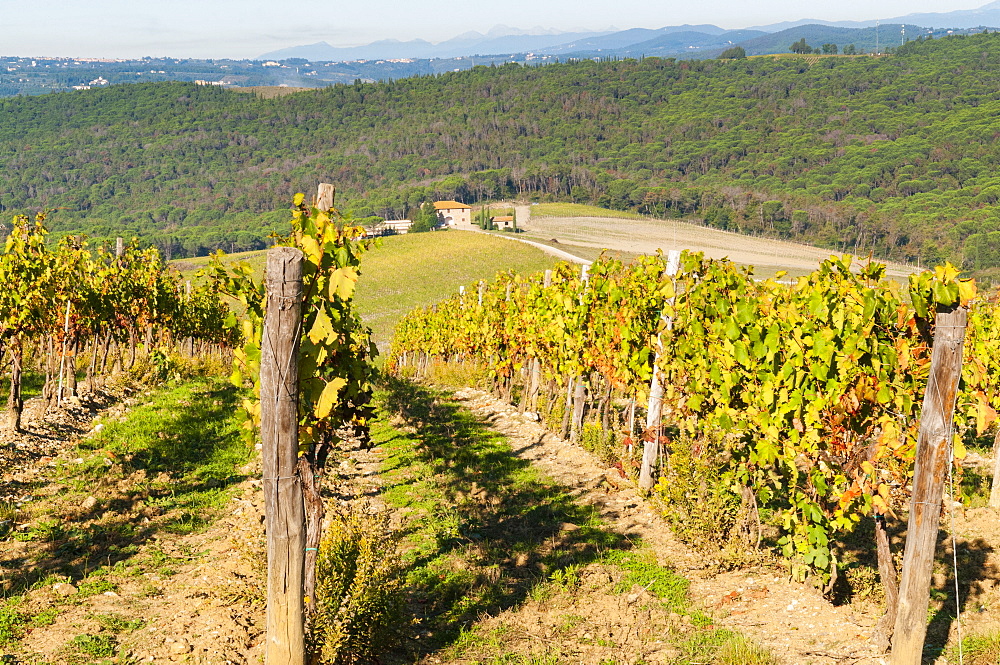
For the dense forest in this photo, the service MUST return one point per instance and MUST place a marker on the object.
(895, 155)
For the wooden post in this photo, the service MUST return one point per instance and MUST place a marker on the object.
(325, 194)
(62, 356)
(995, 487)
(119, 248)
(283, 506)
(929, 473)
(547, 280)
(651, 437)
(482, 287)
(579, 399)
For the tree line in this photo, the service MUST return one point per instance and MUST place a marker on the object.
(891, 155)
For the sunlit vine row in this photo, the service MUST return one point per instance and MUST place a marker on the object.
(808, 393)
(59, 298)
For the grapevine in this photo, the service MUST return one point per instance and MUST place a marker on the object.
(806, 393)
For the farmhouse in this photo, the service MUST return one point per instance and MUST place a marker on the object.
(503, 222)
(454, 214)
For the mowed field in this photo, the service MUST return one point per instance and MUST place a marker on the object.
(629, 235)
(418, 269)
(400, 273)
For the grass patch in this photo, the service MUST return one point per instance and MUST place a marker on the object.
(978, 649)
(83, 648)
(484, 527)
(32, 382)
(418, 269)
(579, 210)
(174, 461)
(641, 569)
(484, 532)
(403, 272)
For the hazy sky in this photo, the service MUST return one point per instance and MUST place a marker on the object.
(247, 28)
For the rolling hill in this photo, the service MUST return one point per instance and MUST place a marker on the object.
(892, 155)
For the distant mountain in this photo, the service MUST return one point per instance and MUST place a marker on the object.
(497, 41)
(864, 39)
(986, 16)
(676, 41)
(631, 37)
(382, 49)
(682, 43)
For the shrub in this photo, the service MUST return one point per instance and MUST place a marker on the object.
(358, 588)
(701, 505)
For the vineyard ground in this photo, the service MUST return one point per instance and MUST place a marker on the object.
(136, 529)
(588, 235)
(507, 554)
(794, 622)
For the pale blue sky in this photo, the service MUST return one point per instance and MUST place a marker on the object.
(247, 28)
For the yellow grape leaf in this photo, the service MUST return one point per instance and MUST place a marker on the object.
(880, 505)
(321, 328)
(966, 290)
(328, 397)
(985, 415)
(321, 220)
(958, 447)
(867, 467)
(298, 199)
(311, 248)
(946, 273)
(342, 282)
(885, 491)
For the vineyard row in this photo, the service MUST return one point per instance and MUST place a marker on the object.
(797, 402)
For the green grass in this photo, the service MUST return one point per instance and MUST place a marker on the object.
(419, 269)
(579, 210)
(178, 455)
(32, 383)
(401, 273)
(188, 267)
(978, 649)
(485, 532)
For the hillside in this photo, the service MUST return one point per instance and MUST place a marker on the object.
(894, 155)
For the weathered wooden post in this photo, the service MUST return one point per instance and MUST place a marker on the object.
(283, 507)
(119, 248)
(929, 473)
(325, 194)
(651, 443)
(579, 392)
(995, 487)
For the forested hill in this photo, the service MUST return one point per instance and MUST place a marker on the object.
(896, 155)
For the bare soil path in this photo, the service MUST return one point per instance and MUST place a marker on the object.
(793, 620)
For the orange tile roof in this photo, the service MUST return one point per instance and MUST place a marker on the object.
(449, 205)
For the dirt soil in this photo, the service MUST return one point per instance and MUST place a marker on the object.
(198, 596)
(189, 598)
(793, 620)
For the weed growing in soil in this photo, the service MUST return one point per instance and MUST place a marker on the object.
(358, 588)
(641, 568)
(981, 649)
(82, 648)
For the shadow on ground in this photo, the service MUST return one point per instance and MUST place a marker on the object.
(484, 529)
(157, 472)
